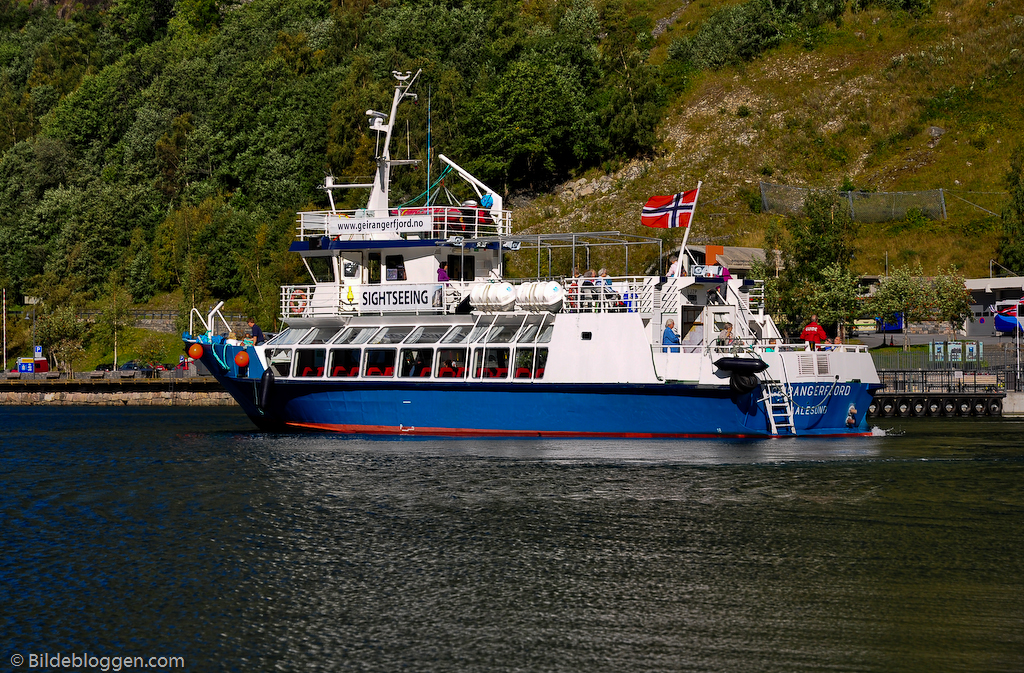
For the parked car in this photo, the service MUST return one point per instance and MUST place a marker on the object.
(105, 367)
(133, 365)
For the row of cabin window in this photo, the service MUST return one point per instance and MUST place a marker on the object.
(488, 363)
(422, 334)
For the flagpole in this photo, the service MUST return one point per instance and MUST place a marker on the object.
(686, 235)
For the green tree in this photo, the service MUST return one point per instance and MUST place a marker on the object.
(904, 293)
(1011, 243)
(115, 314)
(61, 333)
(152, 350)
(834, 297)
(952, 299)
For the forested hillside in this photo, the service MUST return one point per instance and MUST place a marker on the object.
(153, 147)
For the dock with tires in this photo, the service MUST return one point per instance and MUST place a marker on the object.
(949, 392)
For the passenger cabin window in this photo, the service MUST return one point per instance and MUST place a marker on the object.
(379, 362)
(310, 361)
(344, 362)
(490, 363)
(395, 267)
(320, 335)
(289, 336)
(356, 335)
(280, 361)
(391, 335)
(530, 362)
(427, 335)
(502, 334)
(545, 334)
(373, 268)
(416, 362)
(465, 334)
(451, 363)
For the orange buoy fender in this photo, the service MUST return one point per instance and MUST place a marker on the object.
(195, 351)
(242, 358)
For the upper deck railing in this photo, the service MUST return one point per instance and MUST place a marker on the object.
(443, 222)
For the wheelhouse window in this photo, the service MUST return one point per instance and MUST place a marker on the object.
(461, 268)
(280, 361)
(373, 268)
(310, 362)
(451, 363)
(395, 267)
(416, 362)
(344, 362)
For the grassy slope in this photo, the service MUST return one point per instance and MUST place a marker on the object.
(858, 106)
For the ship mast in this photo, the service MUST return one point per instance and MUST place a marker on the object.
(381, 123)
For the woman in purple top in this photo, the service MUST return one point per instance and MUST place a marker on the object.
(442, 273)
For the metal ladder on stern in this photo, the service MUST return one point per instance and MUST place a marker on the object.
(778, 405)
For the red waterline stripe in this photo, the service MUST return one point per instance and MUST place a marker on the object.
(473, 432)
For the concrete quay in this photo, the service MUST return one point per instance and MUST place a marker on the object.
(198, 391)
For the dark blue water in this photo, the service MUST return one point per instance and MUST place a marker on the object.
(184, 532)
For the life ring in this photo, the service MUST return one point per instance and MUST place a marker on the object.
(297, 301)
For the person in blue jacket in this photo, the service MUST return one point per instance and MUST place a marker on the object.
(669, 336)
(257, 333)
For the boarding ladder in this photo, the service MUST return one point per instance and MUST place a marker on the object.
(778, 404)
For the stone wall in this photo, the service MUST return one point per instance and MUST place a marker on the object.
(184, 398)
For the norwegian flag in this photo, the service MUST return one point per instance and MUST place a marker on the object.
(667, 212)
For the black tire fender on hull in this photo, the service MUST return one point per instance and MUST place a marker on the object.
(266, 384)
(742, 373)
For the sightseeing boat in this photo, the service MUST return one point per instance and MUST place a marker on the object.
(381, 343)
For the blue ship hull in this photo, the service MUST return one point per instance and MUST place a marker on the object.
(479, 408)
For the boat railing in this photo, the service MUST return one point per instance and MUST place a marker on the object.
(611, 294)
(445, 222)
(758, 347)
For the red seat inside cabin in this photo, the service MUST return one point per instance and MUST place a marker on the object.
(340, 370)
(539, 374)
(425, 372)
(461, 373)
(446, 373)
(523, 373)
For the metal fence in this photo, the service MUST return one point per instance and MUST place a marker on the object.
(863, 206)
(996, 365)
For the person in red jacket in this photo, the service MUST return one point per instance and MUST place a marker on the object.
(813, 332)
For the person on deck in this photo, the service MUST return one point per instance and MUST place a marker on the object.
(673, 268)
(813, 333)
(442, 273)
(257, 333)
(669, 337)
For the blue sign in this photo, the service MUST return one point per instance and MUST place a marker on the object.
(26, 367)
